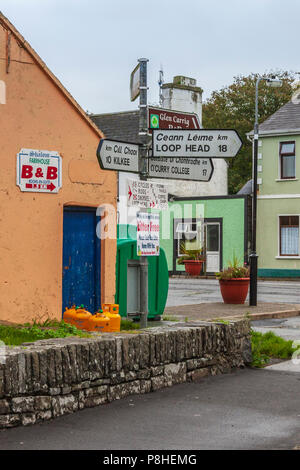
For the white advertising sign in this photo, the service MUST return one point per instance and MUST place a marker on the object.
(39, 171)
(207, 143)
(147, 234)
(147, 195)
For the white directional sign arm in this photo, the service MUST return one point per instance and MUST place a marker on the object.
(193, 169)
(207, 143)
(118, 156)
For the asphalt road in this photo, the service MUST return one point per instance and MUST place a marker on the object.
(185, 291)
(247, 409)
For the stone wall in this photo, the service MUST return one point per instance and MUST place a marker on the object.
(50, 378)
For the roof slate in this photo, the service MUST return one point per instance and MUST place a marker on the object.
(286, 118)
(122, 126)
(247, 188)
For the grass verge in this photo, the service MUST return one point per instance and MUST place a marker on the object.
(268, 345)
(14, 336)
(220, 320)
(127, 325)
(169, 318)
(31, 332)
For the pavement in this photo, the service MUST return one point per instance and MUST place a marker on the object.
(200, 299)
(247, 409)
(213, 310)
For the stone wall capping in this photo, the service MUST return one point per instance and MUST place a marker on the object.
(49, 378)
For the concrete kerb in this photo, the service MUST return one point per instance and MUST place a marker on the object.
(251, 316)
(267, 315)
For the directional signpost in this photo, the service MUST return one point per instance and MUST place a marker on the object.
(118, 156)
(160, 118)
(135, 83)
(213, 143)
(193, 169)
(180, 150)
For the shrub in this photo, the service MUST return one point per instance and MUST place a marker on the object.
(233, 271)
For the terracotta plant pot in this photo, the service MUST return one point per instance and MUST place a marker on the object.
(235, 290)
(193, 267)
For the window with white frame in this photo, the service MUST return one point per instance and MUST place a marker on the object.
(287, 160)
(289, 235)
(188, 236)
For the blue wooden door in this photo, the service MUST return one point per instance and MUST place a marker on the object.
(81, 259)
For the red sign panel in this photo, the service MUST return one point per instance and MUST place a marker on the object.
(159, 118)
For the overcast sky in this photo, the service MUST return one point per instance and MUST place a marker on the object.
(93, 45)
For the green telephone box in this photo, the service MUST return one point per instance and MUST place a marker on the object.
(127, 280)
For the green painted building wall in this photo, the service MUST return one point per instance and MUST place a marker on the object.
(276, 197)
(233, 212)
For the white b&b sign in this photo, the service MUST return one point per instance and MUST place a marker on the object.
(39, 171)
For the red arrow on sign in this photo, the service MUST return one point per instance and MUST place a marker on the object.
(129, 192)
(51, 186)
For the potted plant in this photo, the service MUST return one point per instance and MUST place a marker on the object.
(192, 260)
(234, 283)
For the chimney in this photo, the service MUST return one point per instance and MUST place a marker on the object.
(183, 95)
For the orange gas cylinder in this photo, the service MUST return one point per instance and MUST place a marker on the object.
(99, 322)
(115, 322)
(81, 318)
(112, 308)
(69, 314)
(112, 312)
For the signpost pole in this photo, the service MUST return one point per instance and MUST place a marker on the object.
(143, 119)
(144, 291)
(253, 256)
(143, 134)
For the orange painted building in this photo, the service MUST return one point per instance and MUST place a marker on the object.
(41, 230)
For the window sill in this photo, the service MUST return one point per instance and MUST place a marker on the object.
(287, 179)
(287, 257)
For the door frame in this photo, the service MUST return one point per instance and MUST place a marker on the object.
(219, 222)
(99, 281)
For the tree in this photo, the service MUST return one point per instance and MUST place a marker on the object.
(232, 107)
